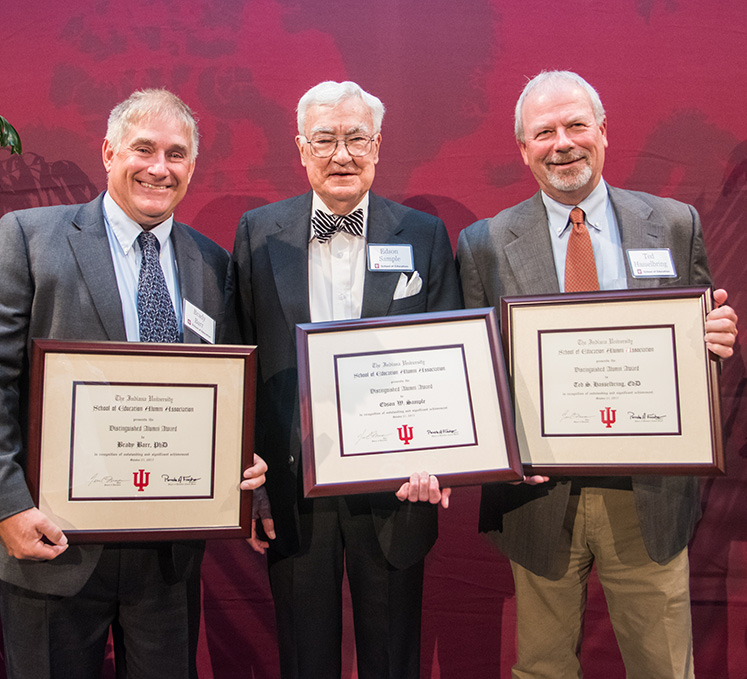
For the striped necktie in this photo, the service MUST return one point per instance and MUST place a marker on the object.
(327, 225)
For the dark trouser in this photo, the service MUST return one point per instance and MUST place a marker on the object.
(338, 534)
(133, 587)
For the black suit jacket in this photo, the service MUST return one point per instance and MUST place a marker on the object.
(511, 254)
(58, 282)
(271, 256)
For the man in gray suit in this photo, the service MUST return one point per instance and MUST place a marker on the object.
(298, 261)
(71, 272)
(635, 529)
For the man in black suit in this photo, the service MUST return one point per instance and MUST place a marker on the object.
(295, 266)
(635, 530)
(72, 272)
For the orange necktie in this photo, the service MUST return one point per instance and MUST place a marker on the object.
(580, 268)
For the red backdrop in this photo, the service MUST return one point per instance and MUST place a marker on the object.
(670, 73)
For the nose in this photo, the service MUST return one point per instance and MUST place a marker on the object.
(341, 155)
(157, 166)
(563, 141)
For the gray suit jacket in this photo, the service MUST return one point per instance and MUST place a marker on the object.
(58, 282)
(271, 256)
(511, 254)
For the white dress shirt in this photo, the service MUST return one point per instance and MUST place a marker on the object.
(337, 270)
(126, 256)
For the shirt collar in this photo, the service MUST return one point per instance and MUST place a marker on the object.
(594, 206)
(126, 230)
(318, 204)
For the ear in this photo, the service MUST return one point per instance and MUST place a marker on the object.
(191, 170)
(377, 144)
(302, 148)
(107, 154)
(603, 129)
(523, 149)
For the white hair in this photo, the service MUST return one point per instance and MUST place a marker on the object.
(331, 93)
(548, 80)
(151, 103)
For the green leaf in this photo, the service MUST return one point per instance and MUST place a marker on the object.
(9, 137)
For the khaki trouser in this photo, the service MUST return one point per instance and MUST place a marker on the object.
(648, 602)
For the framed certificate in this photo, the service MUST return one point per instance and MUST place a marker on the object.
(134, 441)
(614, 383)
(382, 398)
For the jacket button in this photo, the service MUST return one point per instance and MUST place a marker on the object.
(291, 459)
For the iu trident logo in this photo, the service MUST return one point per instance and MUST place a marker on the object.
(141, 482)
(405, 434)
(608, 417)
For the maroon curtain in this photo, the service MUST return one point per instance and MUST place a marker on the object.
(670, 73)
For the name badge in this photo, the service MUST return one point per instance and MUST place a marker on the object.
(390, 257)
(199, 322)
(656, 263)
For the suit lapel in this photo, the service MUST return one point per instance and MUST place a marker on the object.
(288, 249)
(379, 286)
(638, 230)
(530, 255)
(91, 250)
(189, 267)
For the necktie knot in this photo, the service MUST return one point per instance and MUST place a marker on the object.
(580, 267)
(577, 218)
(148, 240)
(327, 225)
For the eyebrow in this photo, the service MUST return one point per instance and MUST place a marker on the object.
(144, 141)
(352, 130)
(544, 125)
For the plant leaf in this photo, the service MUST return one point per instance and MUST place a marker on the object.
(9, 137)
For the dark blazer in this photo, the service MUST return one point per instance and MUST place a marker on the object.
(58, 282)
(511, 254)
(271, 256)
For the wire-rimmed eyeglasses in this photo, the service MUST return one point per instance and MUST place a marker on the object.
(324, 146)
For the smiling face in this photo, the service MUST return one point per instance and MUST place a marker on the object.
(150, 172)
(564, 146)
(340, 180)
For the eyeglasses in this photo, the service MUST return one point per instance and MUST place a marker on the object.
(325, 146)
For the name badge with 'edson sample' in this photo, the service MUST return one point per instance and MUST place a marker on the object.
(382, 257)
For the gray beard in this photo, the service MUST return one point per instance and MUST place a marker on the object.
(570, 182)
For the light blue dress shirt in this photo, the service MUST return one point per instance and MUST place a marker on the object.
(603, 231)
(126, 256)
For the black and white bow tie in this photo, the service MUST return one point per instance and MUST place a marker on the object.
(327, 225)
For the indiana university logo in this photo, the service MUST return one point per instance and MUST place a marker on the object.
(608, 417)
(405, 434)
(141, 482)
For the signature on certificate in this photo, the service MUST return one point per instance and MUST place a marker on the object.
(106, 481)
(372, 436)
(575, 417)
(181, 480)
(641, 417)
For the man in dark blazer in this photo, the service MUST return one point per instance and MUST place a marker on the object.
(290, 272)
(635, 529)
(71, 272)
